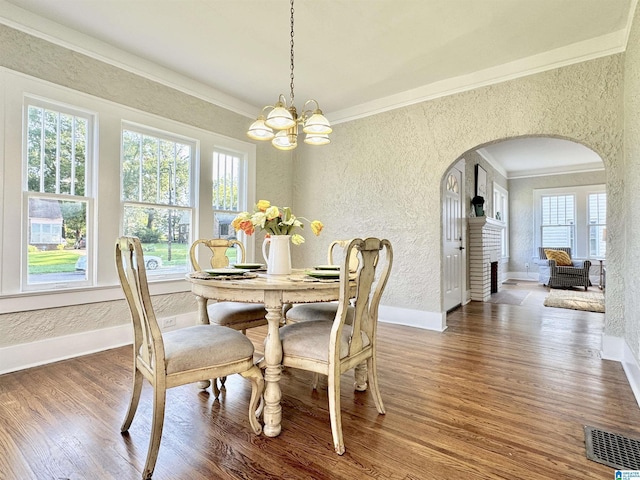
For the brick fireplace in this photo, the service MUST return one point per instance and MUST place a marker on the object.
(486, 269)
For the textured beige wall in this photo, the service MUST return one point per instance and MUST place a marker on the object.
(521, 234)
(40, 59)
(382, 175)
(629, 266)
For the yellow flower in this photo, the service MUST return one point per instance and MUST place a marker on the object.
(272, 212)
(316, 227)
(262, 205)
(297, 239)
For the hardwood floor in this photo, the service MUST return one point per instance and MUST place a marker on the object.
(503, 393)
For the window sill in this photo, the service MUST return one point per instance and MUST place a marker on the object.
(29, 301)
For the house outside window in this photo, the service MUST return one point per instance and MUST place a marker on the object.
(58, 203)
(157, 196)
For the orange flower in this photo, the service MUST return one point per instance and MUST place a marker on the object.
(247, 227)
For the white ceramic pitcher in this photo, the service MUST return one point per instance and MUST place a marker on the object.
(279, 257)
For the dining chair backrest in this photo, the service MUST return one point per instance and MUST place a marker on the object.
(375, 258)
(218, 248)
(333, 247)
(133, 279)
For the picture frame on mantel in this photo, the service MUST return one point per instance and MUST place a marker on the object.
(481, 182)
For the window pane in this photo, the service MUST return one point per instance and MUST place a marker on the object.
(155, 170)
(226, 182)
(557, 236)
(597, 224)
(558, 218)
(55, 228)
(56, 152)
(131, 155)
(164, 234)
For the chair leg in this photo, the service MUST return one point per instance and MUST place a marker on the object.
(314, 380)
(360, 377)
(257, 388)
(334, 411)
(214, 387)
(159, 398)
(373, 384)
(135, 398)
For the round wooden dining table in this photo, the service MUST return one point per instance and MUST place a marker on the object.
(274, 291)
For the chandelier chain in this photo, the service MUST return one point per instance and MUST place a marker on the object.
(291, 85)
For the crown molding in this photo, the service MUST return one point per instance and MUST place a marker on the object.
(27, 22)
(575, 53)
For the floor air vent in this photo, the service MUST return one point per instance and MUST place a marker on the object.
(611, 449)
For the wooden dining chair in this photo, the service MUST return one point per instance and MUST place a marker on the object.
(333, 347)
(236, 315)
(179, 357)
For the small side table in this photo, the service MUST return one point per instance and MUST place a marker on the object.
(602, 273)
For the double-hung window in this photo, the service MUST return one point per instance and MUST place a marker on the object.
(228, 194)
(58, 204)
(597, 205)
(574, 217)
(558, 221)
(157, 196)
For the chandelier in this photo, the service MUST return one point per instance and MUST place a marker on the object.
(285, 119)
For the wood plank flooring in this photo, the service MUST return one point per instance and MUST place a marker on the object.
(503, 393)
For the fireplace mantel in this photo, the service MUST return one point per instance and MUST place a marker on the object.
(486, 222)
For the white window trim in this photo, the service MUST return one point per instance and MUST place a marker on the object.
(13, 88)
(504, 215)
(581, 193)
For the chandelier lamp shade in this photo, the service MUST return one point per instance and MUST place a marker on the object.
(282, 123)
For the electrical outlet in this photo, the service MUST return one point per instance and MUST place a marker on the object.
(169, 322)
(526, 265)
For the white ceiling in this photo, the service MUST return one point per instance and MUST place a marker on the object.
(356, 57)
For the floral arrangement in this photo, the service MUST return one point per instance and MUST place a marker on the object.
(274, 221)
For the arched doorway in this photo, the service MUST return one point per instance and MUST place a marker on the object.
(514, 169)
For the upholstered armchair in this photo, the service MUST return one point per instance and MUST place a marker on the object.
(557, 269)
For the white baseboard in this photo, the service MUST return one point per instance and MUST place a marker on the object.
(528, 276)
(616, 348)
(413, 318)
(27, 355)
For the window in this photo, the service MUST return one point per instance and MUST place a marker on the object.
(227, 193)
(572, 217)
(66, 201)
(56, 164)
(597, 224)
(157, 196)
(501, 212)
(558, 221)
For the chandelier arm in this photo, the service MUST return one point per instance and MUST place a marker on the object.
(292, 64)
(286, 121)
